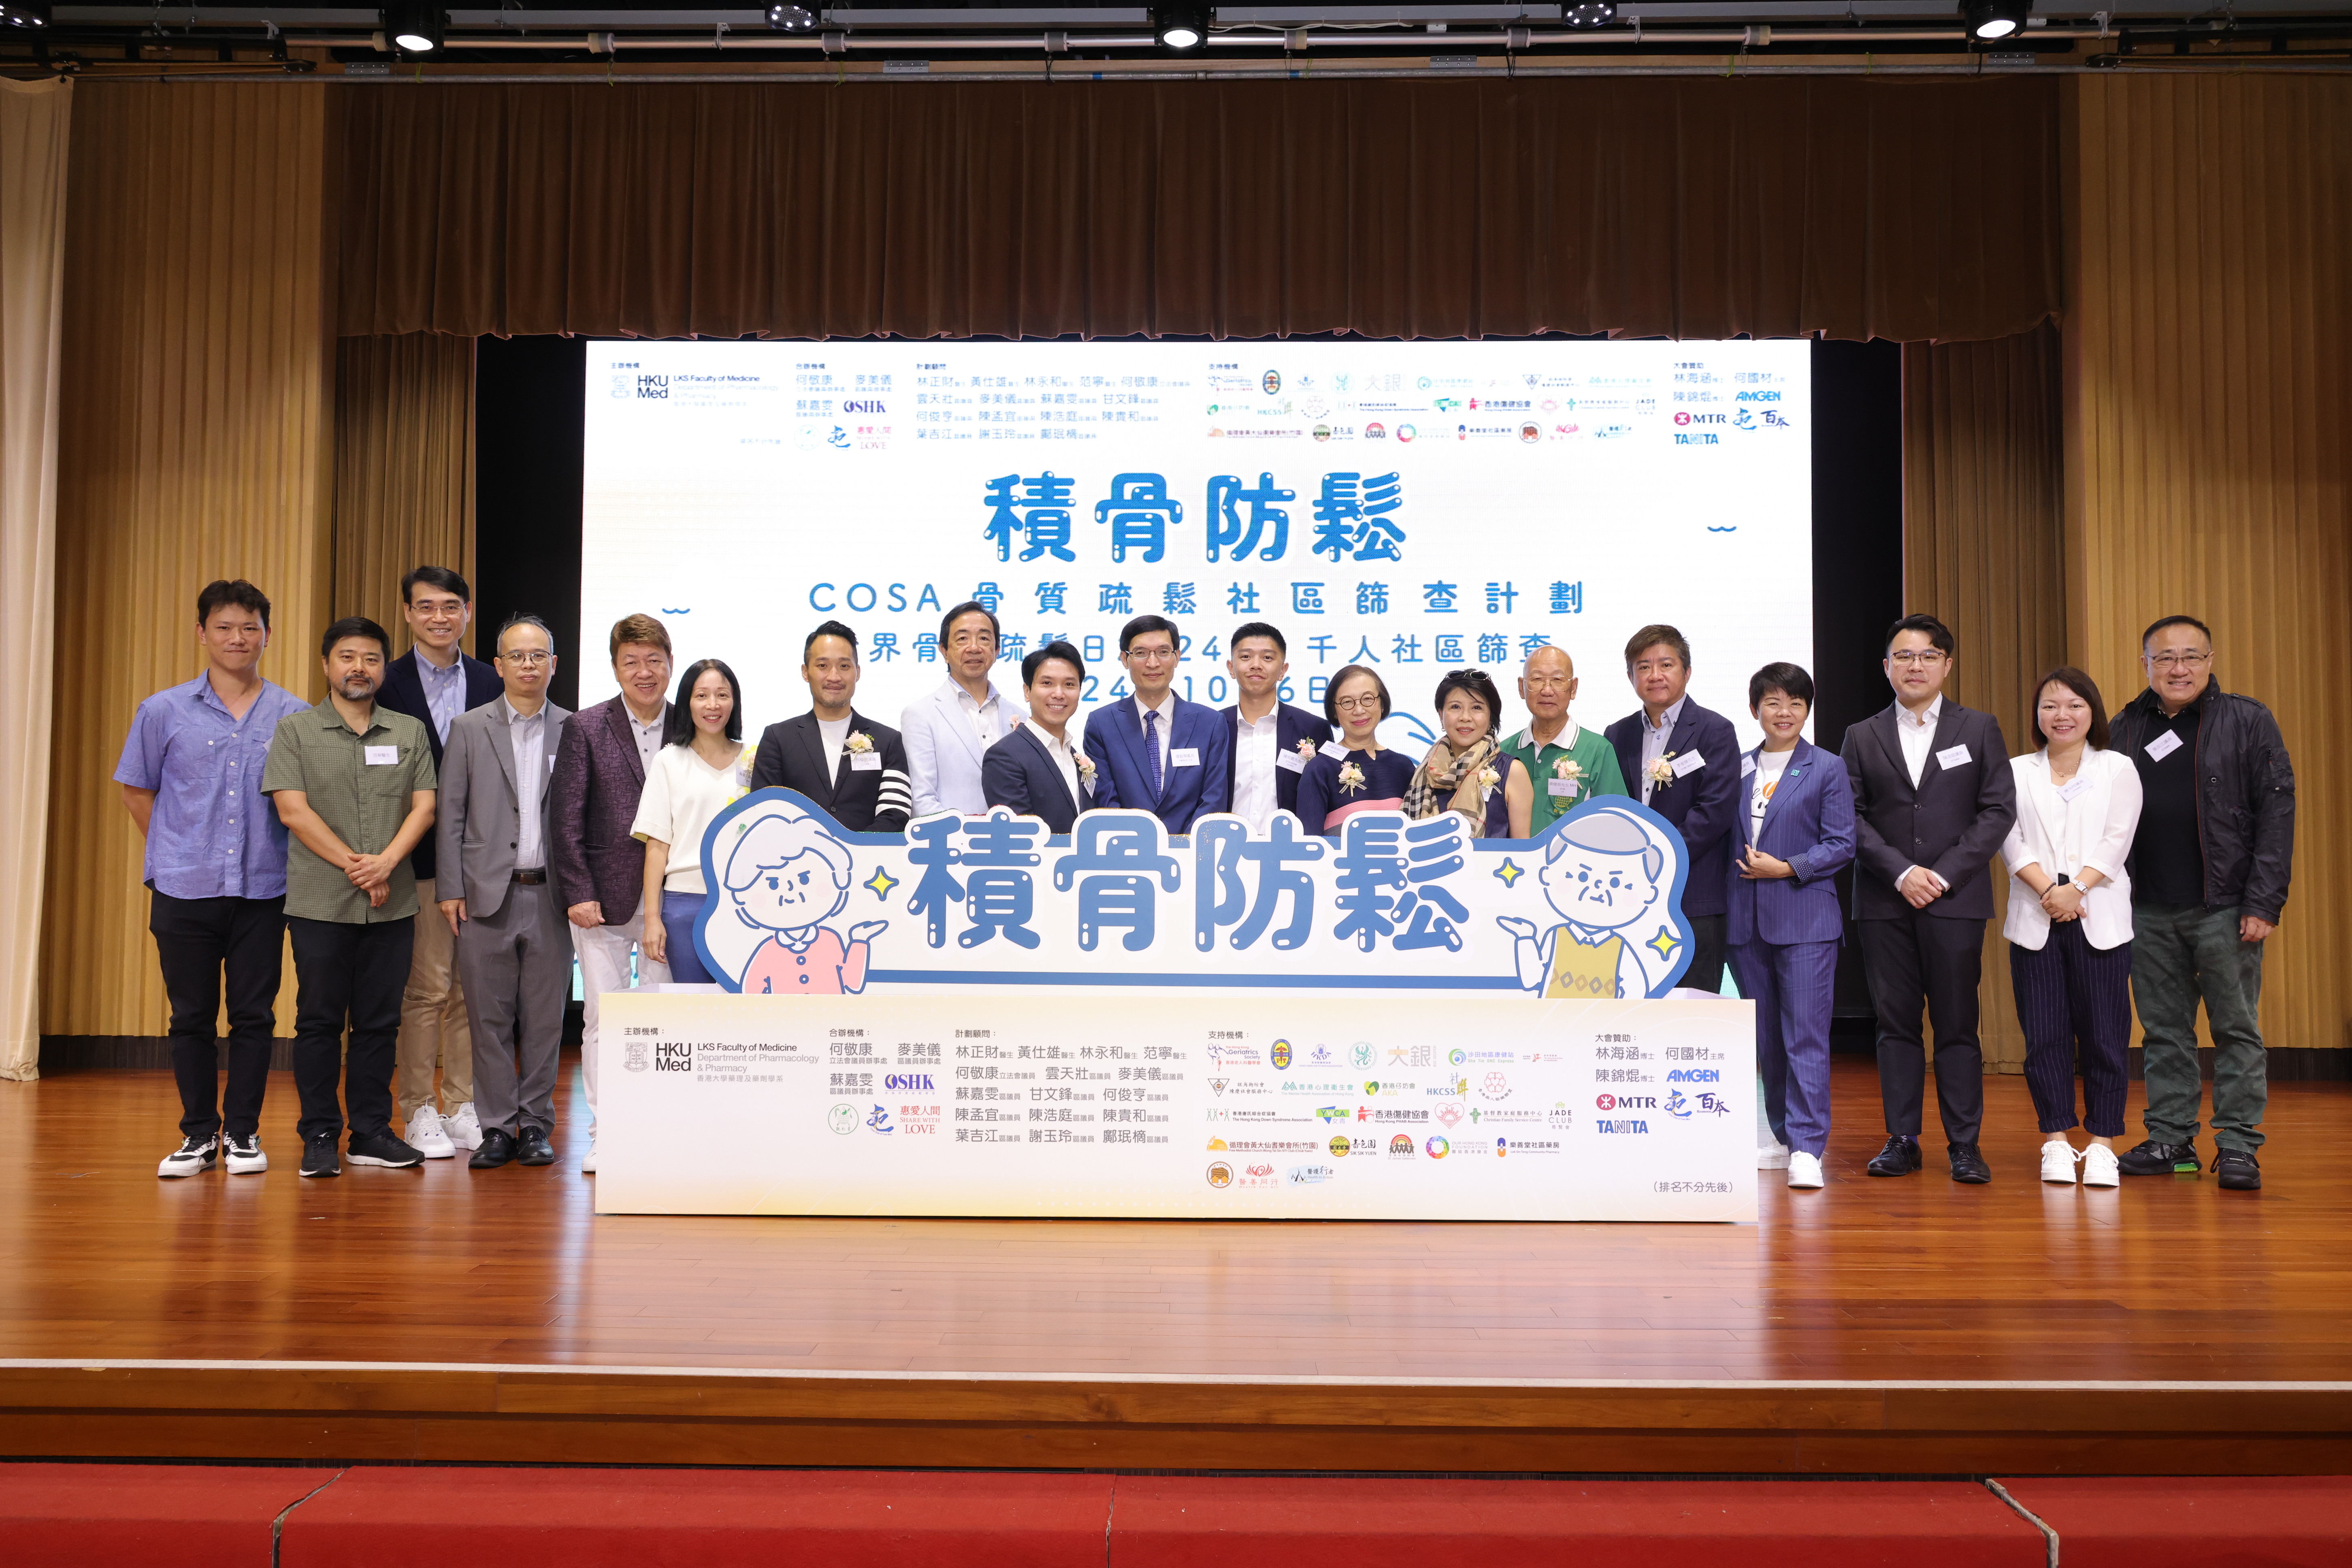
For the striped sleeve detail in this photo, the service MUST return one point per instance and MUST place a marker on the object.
(896, 793)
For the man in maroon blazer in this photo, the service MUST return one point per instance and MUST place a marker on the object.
(600, 869)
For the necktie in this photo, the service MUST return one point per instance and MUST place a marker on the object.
(1151, 748)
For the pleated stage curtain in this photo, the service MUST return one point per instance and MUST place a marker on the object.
(404, 469)
(1692, 209)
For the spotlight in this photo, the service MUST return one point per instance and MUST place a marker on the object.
(24, 13)
(1991, 19)
(790, 18)
(1182, 23)
(415, 28)
(1590, 13)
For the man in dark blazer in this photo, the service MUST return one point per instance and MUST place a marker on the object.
(1267, 740)
(1682, 760)
(1033, 772)
(1155, 751)
(1932, 798)
(434, 682)
(600, 869)
(846, 763)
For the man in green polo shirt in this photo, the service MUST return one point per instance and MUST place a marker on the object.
(1568, 763)
(354, 786)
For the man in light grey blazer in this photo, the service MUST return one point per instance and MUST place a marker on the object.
(514, 956)
(948, 732)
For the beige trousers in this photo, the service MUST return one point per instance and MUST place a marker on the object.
(433, 1031)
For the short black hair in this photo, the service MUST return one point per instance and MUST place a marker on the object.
(1785, 677)
(829, 629)
(969, 606)
(1060, 650)
(1259, 629)
(1937, 633)
(1331, 692)
(1478, 684)
(522, 620)
(1142, 624)
(2083, 687)
(355, 626)
(233, 591)
(2154, 627)
(439, 578)
(677, 726)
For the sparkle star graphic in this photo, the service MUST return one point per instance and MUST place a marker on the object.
(881, 882)
(1509, 871)
(1664, 943)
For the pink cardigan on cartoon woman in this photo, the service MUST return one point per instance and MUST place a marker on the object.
(824, 968)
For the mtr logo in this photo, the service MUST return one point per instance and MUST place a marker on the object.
(1627, 1102)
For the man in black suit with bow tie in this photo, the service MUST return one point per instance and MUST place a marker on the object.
(852, 768)
(1932, 798)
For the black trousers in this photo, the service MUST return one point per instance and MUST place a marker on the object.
(354, 975)
(199, 941)
(1918, 958)
(1707, 950)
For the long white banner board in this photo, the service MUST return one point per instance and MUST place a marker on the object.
(1124, 1102)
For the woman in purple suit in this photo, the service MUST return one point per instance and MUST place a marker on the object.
(1352, 773)
(1784, 923)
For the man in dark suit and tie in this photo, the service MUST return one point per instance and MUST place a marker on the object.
(1034, 771)
(852, 767)
(1267, 740)
(1155, 751)
(1934, 798)
(1682, 760)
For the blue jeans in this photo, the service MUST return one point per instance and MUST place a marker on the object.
(678, 913)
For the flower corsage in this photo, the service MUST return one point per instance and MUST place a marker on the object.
(1352, 778)
(1085, 769)
(858, 743)
(1661, 771)
(1488, 779)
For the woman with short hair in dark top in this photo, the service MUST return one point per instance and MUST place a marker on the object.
(1362, 776)
(1466, 772)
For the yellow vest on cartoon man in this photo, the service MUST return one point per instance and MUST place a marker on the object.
(1582, 972)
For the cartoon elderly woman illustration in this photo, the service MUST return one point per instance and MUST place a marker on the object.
(786, 877)
(1609, 879)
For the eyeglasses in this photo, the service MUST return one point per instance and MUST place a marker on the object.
(1916, 657)
(2169, 660)
(530, 656)
(1151, 655)
(1356, 704)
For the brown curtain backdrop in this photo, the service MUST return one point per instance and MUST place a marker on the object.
(1984, 548)
(2207, 424)
(1693, 208)
(404, 467)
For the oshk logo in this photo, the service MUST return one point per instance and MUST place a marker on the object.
(862, 405)
(1696, 1075)
(909, 1080)
(1676, 1105)
(1280, 1055)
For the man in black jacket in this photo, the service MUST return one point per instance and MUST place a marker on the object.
(853, 768)
(1932, 798)
(2209, 867)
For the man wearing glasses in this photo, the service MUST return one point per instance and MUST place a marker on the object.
(1933, 798)
(513, 957)
(2210, 869)
(1155, 751)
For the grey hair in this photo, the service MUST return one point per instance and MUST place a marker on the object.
(1611, 833)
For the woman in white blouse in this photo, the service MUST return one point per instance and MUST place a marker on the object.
(699, 773)
(2070, 921)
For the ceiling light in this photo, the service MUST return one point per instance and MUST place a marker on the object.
(24, 13)
(1991, 19)
(1590, 13)
(1182, 23)
(415, 28)
(788, 18)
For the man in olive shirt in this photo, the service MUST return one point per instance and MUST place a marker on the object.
(354, 786)
(1568, 764)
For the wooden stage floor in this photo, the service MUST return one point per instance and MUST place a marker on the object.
(1874, 1327)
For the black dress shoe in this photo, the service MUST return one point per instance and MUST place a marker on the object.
(2239, 1170)
(1899, 1158)
(1969, 1164)
(2155, 1159)
(498, 1148)
(536, 1149)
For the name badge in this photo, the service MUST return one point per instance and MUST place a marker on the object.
(1563, 789)
(1687, 763)
(866, 762)
(1290, 762)
(1333, 750)
(2073, 788)
(1184, 757)
(2163, 746)
(382, 756)
(1746, 766)
(1952, 757)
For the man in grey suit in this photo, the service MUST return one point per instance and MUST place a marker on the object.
(513, 955)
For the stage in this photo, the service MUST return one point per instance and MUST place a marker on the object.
(1912, 1327)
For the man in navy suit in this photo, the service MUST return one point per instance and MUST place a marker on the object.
(1034, 771)
(1682, 760)
(1155, 751)
(434, 682)
(1267, 740)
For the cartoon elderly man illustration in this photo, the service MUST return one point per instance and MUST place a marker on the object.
(787, 876)
(1609, 880)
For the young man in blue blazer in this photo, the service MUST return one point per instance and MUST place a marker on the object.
(1033, 772)
(1268, 742)
(1793, 831)
(1155, 751)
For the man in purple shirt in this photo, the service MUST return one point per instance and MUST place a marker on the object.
(216, 868)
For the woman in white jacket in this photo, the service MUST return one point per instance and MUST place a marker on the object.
(2070, 921)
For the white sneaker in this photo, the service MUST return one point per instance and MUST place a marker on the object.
(2099, 1166)
(1804, 1169)
(193, 1155)
(465, 1128)
(588, 1161)
(245, 1156)
(2058, 1163)
(426, 1136)
(1772, 1157)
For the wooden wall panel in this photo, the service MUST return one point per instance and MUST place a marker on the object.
(194, 433)
(404, 467)
(2207, 423)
